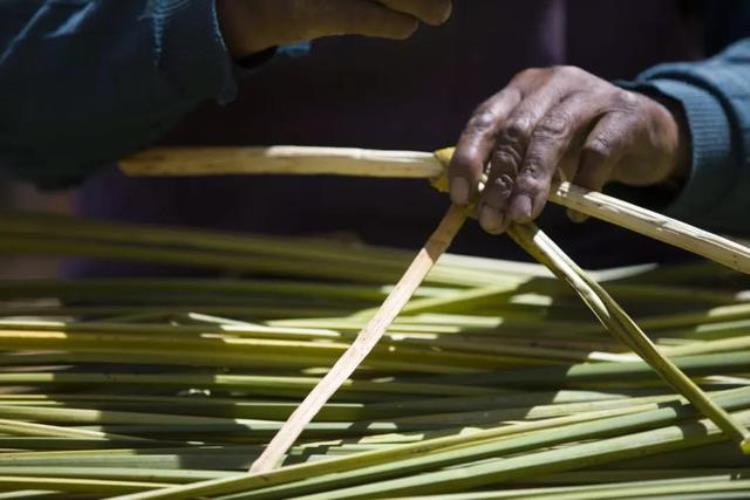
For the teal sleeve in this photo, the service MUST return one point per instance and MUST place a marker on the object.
(85, 82)
(715, 96)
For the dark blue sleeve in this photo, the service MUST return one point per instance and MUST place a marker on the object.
(715, 95)
(84, 82)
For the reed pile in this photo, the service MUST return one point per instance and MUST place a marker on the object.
(494, 382)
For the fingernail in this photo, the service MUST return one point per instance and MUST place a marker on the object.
(490, 219)
(576, 216)
(459, 191)
(520, 209)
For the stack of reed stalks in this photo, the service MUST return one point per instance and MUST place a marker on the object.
(494, 382)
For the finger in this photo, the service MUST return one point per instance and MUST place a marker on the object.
(347, 17)
(434, 12)
(566, 171)
(510, 149)
(549, 145)
(568, 165)
(603, 149)
(493, 205)
(477, 142)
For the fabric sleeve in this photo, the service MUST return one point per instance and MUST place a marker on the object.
(85, 82)
(715, 96)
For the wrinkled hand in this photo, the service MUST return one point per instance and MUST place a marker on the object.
(251, 26)
(562, 121)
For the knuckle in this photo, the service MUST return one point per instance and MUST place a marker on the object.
(625, 99)
(463, 162)
(533, 170)
(511, 143)
(506, 160)
(553, 126)
(527, 74)
(568, 70)
(569, 74)
(598, 146)
(485, 116)
(536, 172)
(482, 120)
(517, 130)
(509, 93)
(530, 181)
(504, 183)
(499, 189)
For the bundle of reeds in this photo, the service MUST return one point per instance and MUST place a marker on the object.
(492, 381)
(495, 381)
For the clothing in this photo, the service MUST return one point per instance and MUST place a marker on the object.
(85, 82)
(715, 95)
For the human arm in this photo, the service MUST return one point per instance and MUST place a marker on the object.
(684, 125)
(84, 83)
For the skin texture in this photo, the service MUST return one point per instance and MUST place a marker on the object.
(563, 123)
(250, 26)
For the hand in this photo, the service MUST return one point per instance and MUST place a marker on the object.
(250, 26)
(562, 119)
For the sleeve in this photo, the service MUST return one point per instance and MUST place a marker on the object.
(715, 96)
(85, 82)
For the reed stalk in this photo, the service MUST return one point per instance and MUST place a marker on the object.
(622, 326)
(366, 340)
(305, 160)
